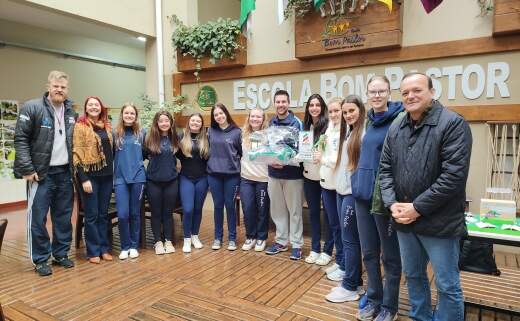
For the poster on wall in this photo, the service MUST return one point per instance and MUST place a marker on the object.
(8, 114)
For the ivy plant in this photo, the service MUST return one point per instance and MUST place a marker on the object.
(151, 107)
(299, 7)
(214, 39)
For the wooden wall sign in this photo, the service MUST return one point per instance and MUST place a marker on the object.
(506, 17)
(188, 63)
(373, 28)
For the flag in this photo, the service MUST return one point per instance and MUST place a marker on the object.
(246, 7)
(388, 4)
(317, 4)
(282, 5)
(429, 5)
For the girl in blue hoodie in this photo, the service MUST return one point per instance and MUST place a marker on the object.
(225, 151)
(374, 224)
(129, 179)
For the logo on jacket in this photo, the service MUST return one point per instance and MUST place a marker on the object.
(46, 123)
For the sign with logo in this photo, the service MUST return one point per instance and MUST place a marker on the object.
(206, 97)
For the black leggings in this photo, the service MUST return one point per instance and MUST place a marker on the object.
(162, 197)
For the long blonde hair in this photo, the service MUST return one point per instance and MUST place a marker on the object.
(186, 144)
(120, 128)
(247, 129)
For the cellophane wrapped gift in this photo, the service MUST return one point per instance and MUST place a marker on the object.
(274, 145)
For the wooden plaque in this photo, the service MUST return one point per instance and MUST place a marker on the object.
(506, 17)
(188, 63)
(374, 28)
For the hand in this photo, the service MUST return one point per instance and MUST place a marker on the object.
(404, 213)
(87, 187)
(178, 166)
(277, 166)
(32, 178)
(316, 156)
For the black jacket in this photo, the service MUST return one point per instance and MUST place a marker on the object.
(428, 166)
(34, 136)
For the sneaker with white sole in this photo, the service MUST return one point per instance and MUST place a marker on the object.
(248, 244)
(368, 312)
(217, 244)
(385, 315)
(331, 268)
(336, 275)
(260, 245)
(324, 259)
(123, 255)
(340, 294)
(186, 247)
(159, 248)
(312, 257)
(196, 242)
(360, 290)
(168, 247)
(232, 245)
(133, 253)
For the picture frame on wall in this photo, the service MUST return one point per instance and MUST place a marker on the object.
(8, 115)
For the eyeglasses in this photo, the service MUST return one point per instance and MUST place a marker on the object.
(380, 93)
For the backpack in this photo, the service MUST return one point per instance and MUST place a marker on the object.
(478, 257)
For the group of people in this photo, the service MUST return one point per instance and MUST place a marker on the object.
(391, 182)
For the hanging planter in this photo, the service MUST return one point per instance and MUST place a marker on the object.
(213, 45)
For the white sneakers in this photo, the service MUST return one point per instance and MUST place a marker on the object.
(123, 255)
(324, 259)
(248, 244)
(196, 242)
(186, 248)
(313, 256)
(336, 275)
(159, 248)
(232, 245)
(217, 244)
(340, 294)
(260, 246)
(133, 253)
(331, 268)
(168, 247)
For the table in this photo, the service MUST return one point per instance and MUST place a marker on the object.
(494, 235)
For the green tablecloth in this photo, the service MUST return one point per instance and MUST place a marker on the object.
(495, 230)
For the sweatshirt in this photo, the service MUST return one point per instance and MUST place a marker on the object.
(252, 171)
(128, 161)
(195, 166)
(162, 167)
(329, 157)
(225, 150)
(343, 184)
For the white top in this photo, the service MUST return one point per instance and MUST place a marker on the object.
(249, 170)
(310, 170)
(329, 157)
(59, 155)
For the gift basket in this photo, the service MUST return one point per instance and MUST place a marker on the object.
(274, 145)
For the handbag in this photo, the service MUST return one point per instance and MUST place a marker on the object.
(477, 256)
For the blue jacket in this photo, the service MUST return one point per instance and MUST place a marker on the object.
(286, 172)
(128, 160)
(225, 150)
(363, 179)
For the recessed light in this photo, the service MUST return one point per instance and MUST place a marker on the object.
(141, 38)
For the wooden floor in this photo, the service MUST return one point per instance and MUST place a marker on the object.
(202, 285)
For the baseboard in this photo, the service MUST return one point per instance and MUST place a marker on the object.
(13, 206)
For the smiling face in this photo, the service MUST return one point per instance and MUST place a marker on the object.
(93, 109)
(220, 117)
(417, 95)
(164, 124)
(350, 113)
(195, 124)
(58, 90)
(129, 115)
(281, 104)
(315, 109)
(256, 118)
(334, 113)
(378, 93)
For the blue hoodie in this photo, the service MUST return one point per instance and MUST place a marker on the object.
(225, 150)
(286, 172)
(363, 178)
(128, 160)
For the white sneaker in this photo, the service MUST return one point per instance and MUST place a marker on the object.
(217, 244)
(232, 245)
(360, 290)
(168, 247)
(340, 294)
(196, 242)
(186, 248)
(324, 259)
(331, 268)
(336, 275)
(260, 246)
(123, 255)
(313, 256)
(159, 248)
(248, 244)
(133, 253)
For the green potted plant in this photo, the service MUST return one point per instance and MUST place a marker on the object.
(215, 44)
(150, 107)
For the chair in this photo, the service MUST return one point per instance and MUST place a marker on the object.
(3, 227)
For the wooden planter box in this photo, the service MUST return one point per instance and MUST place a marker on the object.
(506, 17)
(374, 28)
(187, 63)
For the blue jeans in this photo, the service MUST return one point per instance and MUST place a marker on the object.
(312, 190)
(350, 239)
(377, 235)
(331, 208)
(416, 251)
(95, 205)
(128, 205)
(224, 189)
(55, 191)
(255, 205)
(193, 193)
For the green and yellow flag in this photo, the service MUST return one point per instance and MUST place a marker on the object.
(388, 4)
